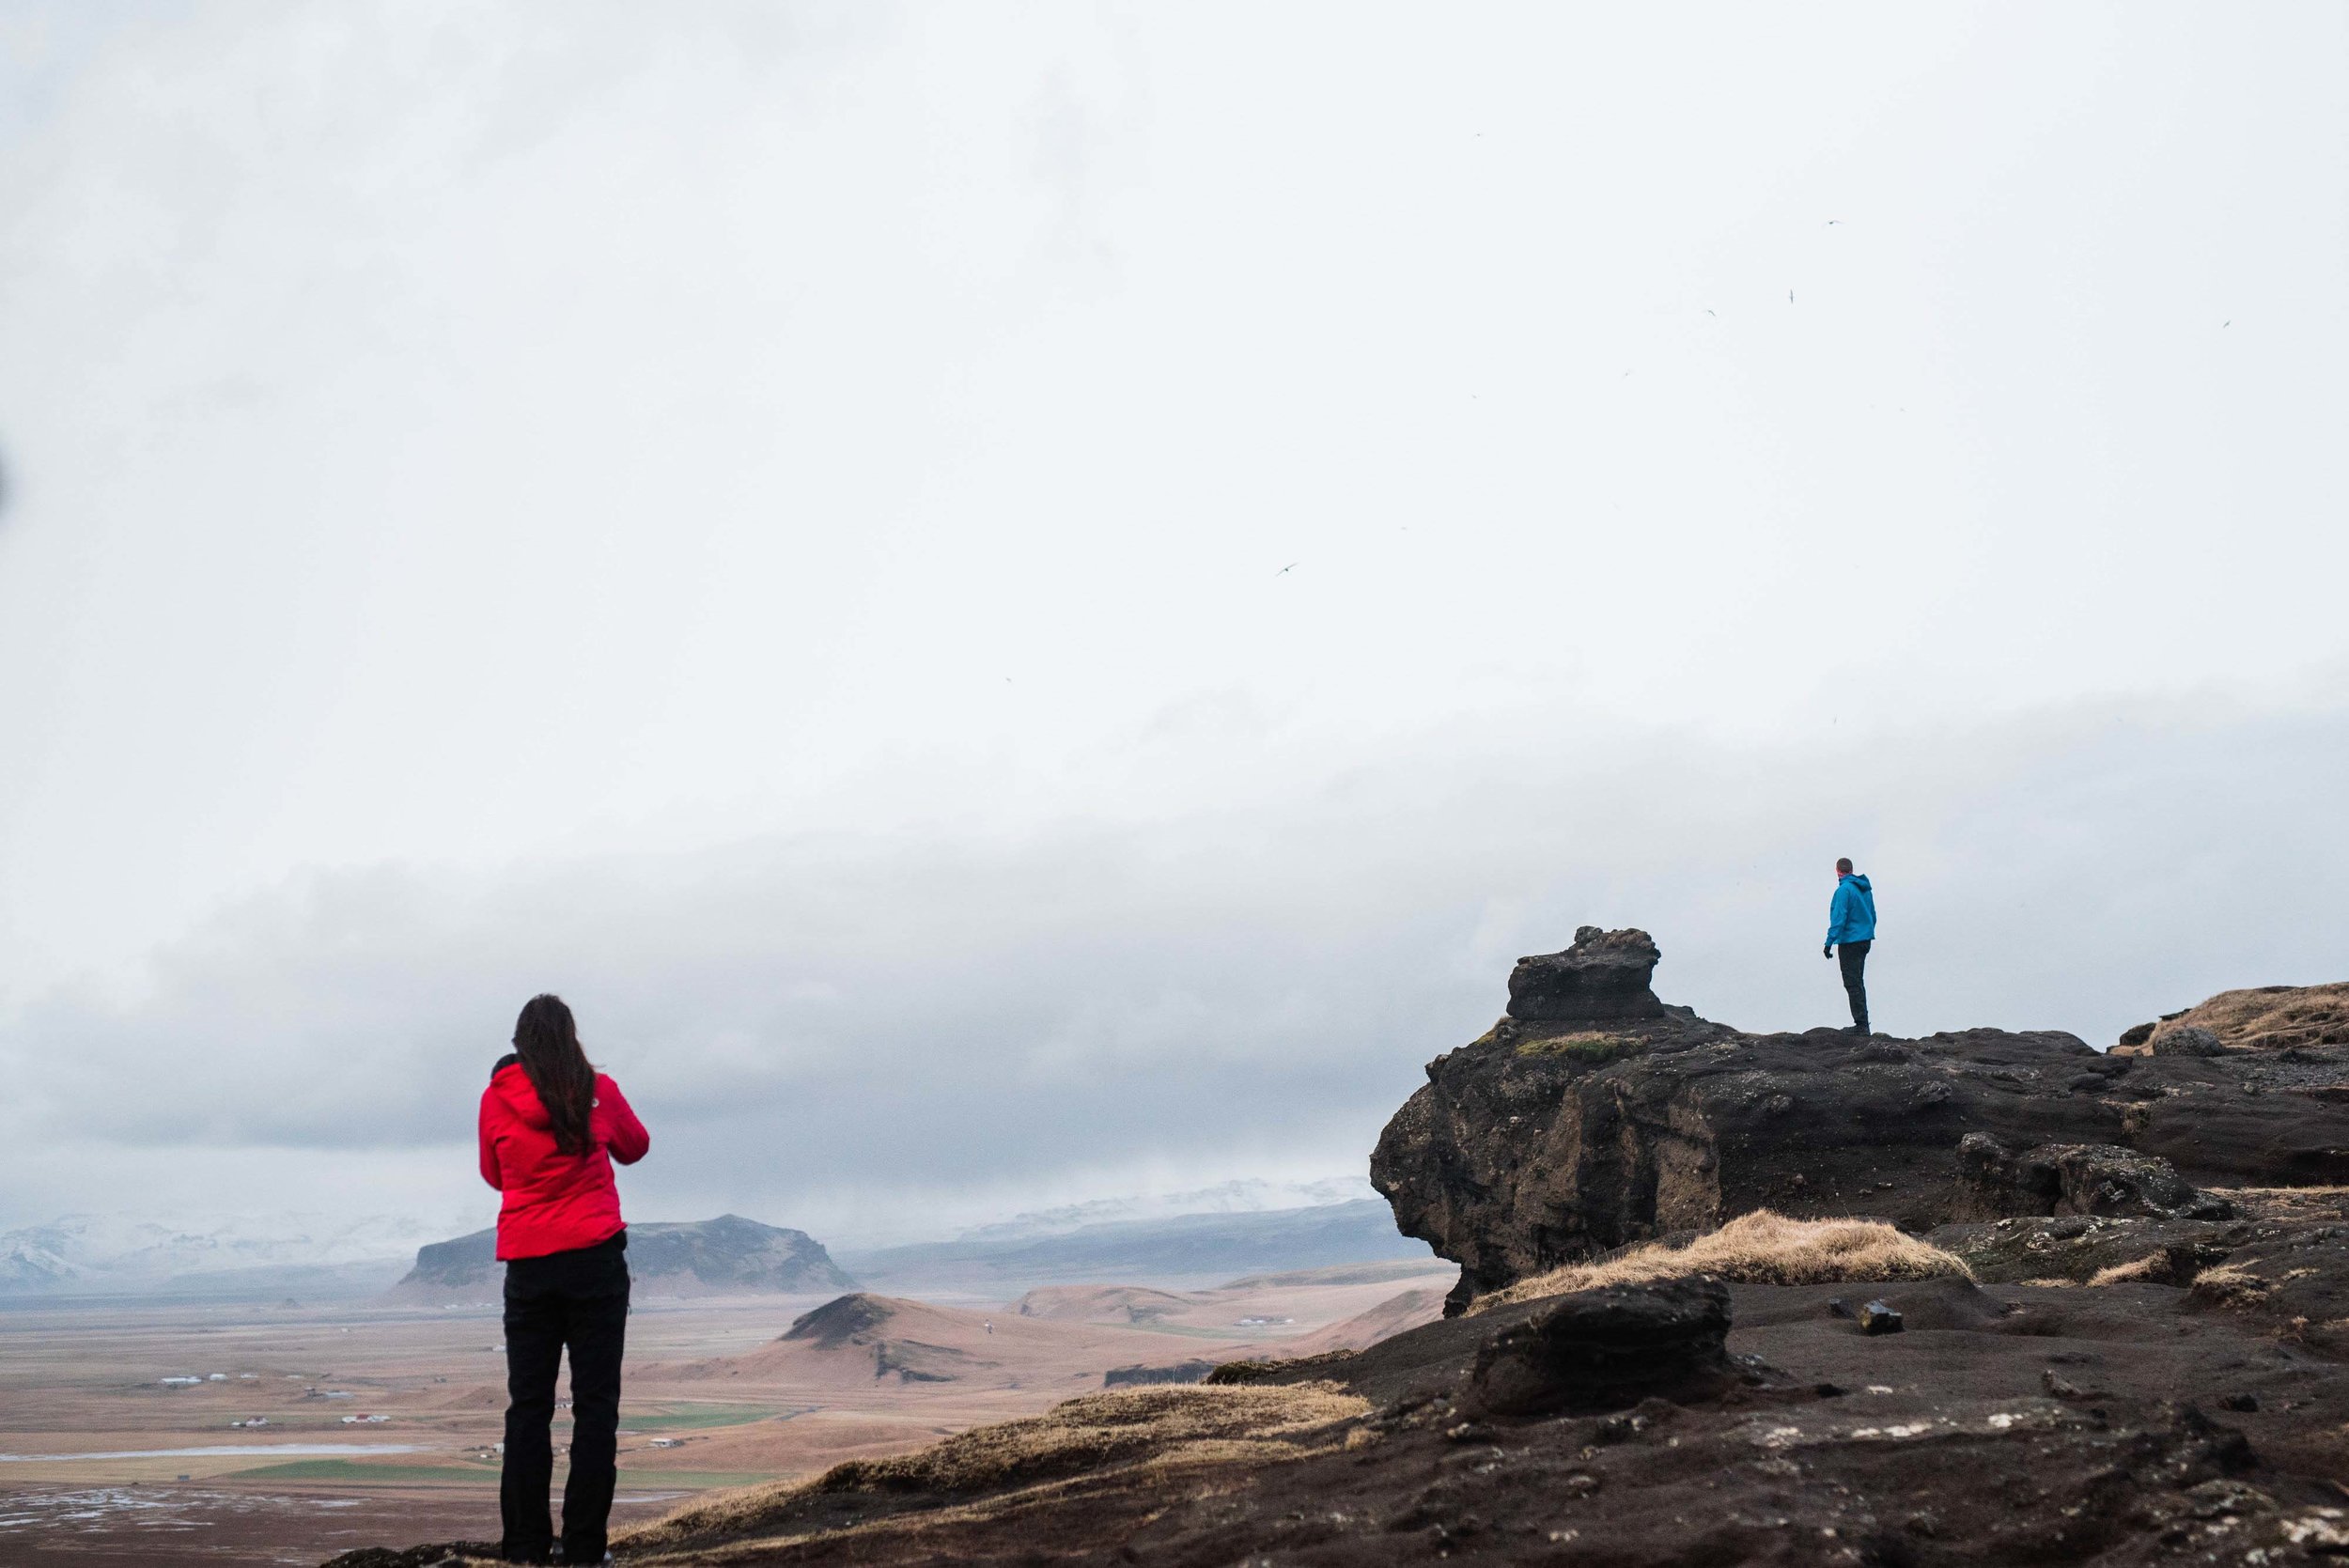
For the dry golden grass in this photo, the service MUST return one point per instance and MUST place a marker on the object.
(1763, 1248)
(2229, 1286)
(2274, 1016)
(1155, 1426)
(2153, 1266)
(2287, 1202)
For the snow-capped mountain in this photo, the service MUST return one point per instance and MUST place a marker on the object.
(121, 1253)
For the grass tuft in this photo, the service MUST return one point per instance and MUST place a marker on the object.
(1763, 1248)
(2156, 1267)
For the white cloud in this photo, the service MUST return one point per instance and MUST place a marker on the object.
(832, 1025)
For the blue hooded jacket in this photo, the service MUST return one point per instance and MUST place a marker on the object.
(1851, 918)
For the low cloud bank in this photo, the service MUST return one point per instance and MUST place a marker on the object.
(816, 1026)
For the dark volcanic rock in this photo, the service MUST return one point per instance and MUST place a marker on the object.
(2078, 1248)
(2024, 1425)
(1996, 1183)
(1601, 978)
(2186, 1040)
(1547, 1140)
(1605, 1349)
(417, 1557)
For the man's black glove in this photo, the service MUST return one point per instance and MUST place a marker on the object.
(1828, 951)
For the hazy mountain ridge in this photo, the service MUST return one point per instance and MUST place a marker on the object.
(1196, 1238)
(1248, 1195)
(1186, 1248)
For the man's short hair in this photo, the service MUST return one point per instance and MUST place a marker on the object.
(1843, 864)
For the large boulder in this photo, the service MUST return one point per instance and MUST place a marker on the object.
(1601, 979)
(2185, 1039)
(1609, 1348)
(1547, 1140)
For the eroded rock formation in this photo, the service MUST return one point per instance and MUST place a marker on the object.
(1602, 978)
(1564, 1132)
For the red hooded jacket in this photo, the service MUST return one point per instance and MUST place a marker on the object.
(555, 1202)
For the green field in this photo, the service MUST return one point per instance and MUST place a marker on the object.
(381, 1475)
(673, 1416)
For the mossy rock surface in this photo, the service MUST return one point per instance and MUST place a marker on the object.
(1590, 1047)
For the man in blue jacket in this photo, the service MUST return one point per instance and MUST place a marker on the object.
(1851, 926)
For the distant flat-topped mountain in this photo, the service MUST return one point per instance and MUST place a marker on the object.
(725, 1257)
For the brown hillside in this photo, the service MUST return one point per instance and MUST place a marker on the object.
(1393, 1316)
(856, 1340)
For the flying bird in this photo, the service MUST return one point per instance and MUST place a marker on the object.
(1790, 296)
(1285, 571)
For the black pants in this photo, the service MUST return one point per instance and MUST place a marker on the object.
(579, 1299)
(1854, 957)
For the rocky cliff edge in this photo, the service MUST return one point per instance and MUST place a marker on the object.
(1593, 1115)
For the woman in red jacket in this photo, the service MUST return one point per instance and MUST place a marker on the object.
(550, 1127)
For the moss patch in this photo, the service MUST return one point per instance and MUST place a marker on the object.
(1589, 1047)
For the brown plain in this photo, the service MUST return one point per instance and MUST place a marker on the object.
(716, 1398)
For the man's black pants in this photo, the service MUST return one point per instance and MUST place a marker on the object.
(1854, 957)
(577, 1300)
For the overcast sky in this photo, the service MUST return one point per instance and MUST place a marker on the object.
(1023, 602)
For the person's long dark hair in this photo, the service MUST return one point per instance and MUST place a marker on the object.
(547, 1040)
